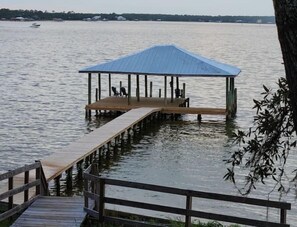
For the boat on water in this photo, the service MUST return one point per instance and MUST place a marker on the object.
(35, 25)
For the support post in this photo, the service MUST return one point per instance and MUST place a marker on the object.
(10, 198)
(145, 86)
(109, 84)
(227, 97)
(172, 87)
(184, 90)
(137, 88)
(165, 90)
(89, 93)
(38, 177)
(160, 93)
(26, 181)
(151, 89)
(121, 84)
(58, 186)
(99, 86)
(101, 199)
(188, 208)
(283, 216)
(177, 82)
(129, 89)
(69, 179)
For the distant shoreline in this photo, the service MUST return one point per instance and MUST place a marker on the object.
(32, 15)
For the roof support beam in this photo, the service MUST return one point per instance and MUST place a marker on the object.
(172, 87)
(145, 86)
(129, 89)
(99, 86)
(137, 88)
(88, 113)
(165, 90)
(109, 83)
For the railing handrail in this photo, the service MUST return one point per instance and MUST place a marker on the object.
(96, 191)
(39, 182)
(12, 173)
(187, 192)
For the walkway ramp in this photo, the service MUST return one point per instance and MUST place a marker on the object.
(53, 211)
(57, 163)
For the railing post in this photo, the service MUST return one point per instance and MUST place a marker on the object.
(26, 181)
(101, 199)
(188, 208)
(38, 177)
(10, 198)
(283, 216)
(86, 189)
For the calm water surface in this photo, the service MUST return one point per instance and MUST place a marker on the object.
(43, 98)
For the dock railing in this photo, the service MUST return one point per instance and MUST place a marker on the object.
(39, 182)
(95, 187)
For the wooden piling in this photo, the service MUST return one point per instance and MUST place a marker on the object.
(151, 89)
(165, 90)
(129, 89)
(171, 87)
(109, 84)
(58, 186)
(137, 88)
(184, 90)
(99, 86)
(88, 112)
(145, 86)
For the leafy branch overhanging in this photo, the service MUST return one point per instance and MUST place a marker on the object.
(263, 150)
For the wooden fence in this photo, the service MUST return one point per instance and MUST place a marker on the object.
(23, 173)
(95, 186)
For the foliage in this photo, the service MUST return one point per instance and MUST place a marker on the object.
(263, 150)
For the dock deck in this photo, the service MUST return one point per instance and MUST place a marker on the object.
(118, 103)
(63, 159)
(60, 161)
(53, 211)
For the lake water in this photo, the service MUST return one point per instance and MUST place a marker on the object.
(43, 98)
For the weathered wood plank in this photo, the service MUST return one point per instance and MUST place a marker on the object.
(53, 211)
(57, 163)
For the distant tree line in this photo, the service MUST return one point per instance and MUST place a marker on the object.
(70, 15)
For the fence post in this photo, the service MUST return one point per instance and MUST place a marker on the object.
(86, 189)
(283, 216)
(38, 177)
(188, 208)
(101, 199)
(10, 198)
(26, 181)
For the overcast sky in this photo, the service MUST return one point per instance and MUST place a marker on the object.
(193, 7)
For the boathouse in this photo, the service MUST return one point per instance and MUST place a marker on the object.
(163, 61)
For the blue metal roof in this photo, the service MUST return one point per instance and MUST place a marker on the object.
(165, 60)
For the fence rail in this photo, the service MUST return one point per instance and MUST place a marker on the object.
(39, 184)
(95, 186)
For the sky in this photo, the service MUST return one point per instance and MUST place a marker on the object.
(190, 7)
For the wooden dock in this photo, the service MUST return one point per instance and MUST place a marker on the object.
(53, 211)
(64, 159)
(60, 161)
(177, 106)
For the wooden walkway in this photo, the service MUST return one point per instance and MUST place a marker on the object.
(57, 163)
(53, 211)
(62, 160)
(120, 103)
